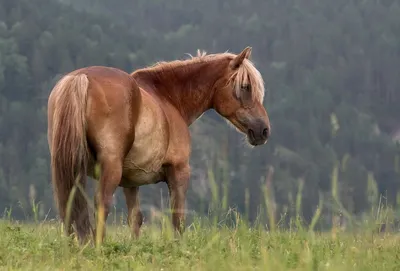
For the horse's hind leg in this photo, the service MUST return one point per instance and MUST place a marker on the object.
(135, 217)
(114, 108)
(111, 173)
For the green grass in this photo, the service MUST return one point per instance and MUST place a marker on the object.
(203, 247)
(210, 244)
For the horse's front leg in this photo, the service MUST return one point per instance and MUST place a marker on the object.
(178, 180)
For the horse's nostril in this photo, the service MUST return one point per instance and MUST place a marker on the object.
(265, 133)
(251, 134)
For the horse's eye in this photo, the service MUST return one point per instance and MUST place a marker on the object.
(246, 88)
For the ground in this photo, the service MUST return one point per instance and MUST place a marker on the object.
(42, 246)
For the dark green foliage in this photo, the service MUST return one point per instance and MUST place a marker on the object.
(322, 60)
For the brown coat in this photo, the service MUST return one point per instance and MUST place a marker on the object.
(135, 126)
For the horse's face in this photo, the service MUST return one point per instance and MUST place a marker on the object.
(239, 98)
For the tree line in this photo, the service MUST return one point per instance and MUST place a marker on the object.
(331, 70)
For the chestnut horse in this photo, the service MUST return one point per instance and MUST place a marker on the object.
(136, 127)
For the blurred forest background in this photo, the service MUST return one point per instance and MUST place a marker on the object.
(331, 68)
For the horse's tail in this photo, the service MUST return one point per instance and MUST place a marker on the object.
(69, 152)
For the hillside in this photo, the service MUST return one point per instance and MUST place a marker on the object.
(331, 68)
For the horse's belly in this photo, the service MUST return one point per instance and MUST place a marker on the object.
(143, 167)
(144, 162)
(137, 177)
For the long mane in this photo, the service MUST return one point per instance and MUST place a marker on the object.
(247, 73)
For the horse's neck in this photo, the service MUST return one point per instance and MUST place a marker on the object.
(188, 88)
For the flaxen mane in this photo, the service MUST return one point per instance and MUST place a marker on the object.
(246, 74)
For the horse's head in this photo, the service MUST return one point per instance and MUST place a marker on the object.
(239, 98)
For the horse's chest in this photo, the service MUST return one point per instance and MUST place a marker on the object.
(144, 162)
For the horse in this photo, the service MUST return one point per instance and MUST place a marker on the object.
(136, 128)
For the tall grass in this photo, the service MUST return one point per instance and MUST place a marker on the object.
(380, 217)
(223, 240)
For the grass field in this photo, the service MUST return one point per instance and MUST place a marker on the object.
(203, 247)
(210, 244)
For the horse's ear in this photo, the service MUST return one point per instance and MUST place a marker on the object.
(237, 61)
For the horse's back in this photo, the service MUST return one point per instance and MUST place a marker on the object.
(109, 86)
(115, 85)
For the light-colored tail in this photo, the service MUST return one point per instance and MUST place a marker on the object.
(69, 152)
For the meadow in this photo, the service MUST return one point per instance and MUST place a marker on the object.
(206, 245)
(221, 240)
